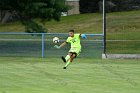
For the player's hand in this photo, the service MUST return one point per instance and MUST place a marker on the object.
(84, 36)
(56, 46)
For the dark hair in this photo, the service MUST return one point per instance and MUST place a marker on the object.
(71, 30)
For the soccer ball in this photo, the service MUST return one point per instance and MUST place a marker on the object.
(56, 40)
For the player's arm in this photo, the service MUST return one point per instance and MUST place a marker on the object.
(62, 45)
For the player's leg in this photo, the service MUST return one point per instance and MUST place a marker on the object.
(72, 57)
(66, 59)
(68, 56)
(70, 60)
(73, 54)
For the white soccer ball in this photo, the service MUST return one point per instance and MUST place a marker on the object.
(56, 40)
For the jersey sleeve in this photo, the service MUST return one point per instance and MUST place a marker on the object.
(78, 35)
(68, 40)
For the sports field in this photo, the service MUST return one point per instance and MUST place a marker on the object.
(36, 75)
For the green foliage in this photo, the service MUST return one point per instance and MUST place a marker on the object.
(46, 10)
(33, 27)
(126, 5)
(89, 6)
(92, 6)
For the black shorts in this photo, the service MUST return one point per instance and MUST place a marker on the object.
(74, 53)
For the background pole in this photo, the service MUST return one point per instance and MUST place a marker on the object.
(104, 24)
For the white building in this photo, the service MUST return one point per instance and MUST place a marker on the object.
(75, 6)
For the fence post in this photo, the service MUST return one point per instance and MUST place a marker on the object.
(43, 45)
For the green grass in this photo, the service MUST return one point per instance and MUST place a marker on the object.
(120, 25)
(124, 47)
(36, 75)
(123, 25)
(78, 22)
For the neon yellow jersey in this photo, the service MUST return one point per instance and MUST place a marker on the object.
(74, 41)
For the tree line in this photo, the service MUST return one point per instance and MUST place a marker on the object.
(92, 6)
(26, 11)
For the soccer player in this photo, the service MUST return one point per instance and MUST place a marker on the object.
(74, 40)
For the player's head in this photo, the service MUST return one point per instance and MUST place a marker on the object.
(71, 33)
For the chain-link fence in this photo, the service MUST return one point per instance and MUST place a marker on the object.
(123, 29)
(40, 44)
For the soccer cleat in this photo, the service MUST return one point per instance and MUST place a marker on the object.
(64, 67)
(64, 60)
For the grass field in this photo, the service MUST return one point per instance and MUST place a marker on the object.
(36, 75)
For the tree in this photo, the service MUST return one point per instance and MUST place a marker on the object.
(126, 5)
(92, 6)
(89, 6)
(27, 10)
